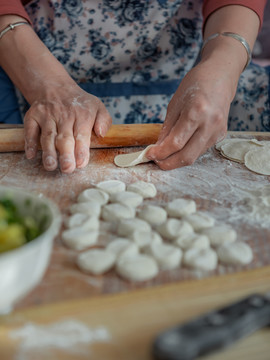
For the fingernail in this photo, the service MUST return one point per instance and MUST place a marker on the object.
(50, 162)
(67, 163)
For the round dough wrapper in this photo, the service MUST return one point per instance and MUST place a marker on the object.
(235, 253)
(145, 189)
(127, 226)
(145, 238)
(93, 194)
(181, 207)
(129, 198)
(132, 159)
(258, 160)
(220, 234)
(116, 211)
(154, 215)
(96, 261)
(173, 228)
(167, 256)
(122, 247)
(137, 268)
(201, 259)
(91, 208)
(192, 241)
(79, 239)
(200, 220)
(236, 150)
(228, 141)
(112, 186)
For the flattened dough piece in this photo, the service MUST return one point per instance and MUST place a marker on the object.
(96, 261)
(122, 247)
(236, 253)
(115, 212)
(93, 194)
(192, 241)
(154, 215)
(129, 198)
(75, 220)
(137, 268)
(145, 238)
(91, 208)
(79, 239)
(236, 150)
(82, 221)
(145, 189)
(127, 226)
(132, 159)
(167, 256)
(257, 160)
(200, 220)
(228, 141)
(220, 234)
(181, 207)
(173, 228)
(201, 259)
(111, 186)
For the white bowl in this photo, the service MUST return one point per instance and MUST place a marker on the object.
(22, 269)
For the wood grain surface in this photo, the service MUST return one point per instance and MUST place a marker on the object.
(135, 313)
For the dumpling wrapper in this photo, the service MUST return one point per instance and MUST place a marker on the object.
(258, 160)
(132, 159)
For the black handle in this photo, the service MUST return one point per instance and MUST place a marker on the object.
(214, 330)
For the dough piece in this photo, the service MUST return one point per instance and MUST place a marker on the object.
(258, 160)
(235, 253)
(79, 239)
(220, 234)
(91, 208)
(236, 150)
(132, 159)
(83, 221)
(96, 261)
(145, 238)
(93, 194)
(201, 259)
(128, 198)
(192, 241)
(181, 207)
(167, 256)
(200, 220)
(115, 212)
(111, 186)
(154, 215)
(229, 141)
(122, 247)
(127, 226)
(137, 268)
(75, 220)
(173, 228)
(145, 189)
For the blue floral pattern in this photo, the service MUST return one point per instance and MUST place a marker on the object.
(148, 43)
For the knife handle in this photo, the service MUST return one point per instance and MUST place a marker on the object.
(214, 330)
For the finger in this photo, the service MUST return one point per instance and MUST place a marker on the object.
(65, 144)
(196, 146)
(82, 134)
(47, 141)
(31, 134)
(103, 121)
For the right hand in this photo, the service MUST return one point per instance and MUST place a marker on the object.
(62, 118)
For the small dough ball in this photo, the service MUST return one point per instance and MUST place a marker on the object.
(96, 261)
(220, 234)
(127, 226)
(75, 220)
(145, 189)
(122, 247)
(154, 215)
(116, 211)
(181, 207)
(167, 256)
(137, 268)
(235, 253)
(201, 259)
(192, 241)
(145, 238)
(93, 194)
(173, 228)
(111, 186)
(79, 239)
(200, 220)
(128, 198)
(83, 221)
(91, 208)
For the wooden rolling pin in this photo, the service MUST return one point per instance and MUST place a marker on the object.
(12, 136)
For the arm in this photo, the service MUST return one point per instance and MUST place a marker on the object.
(197, 114)
(61, 113)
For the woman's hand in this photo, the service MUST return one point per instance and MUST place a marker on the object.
(196, 117)
(62, 118)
